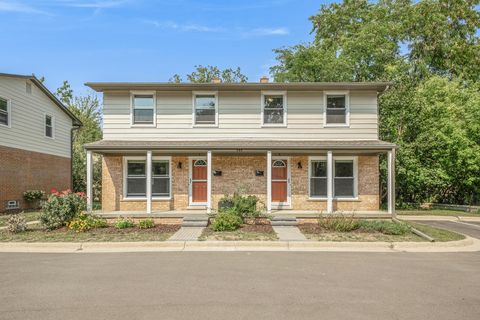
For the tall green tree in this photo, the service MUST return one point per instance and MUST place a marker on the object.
(430, 50)
(87, 109)
(206, 74)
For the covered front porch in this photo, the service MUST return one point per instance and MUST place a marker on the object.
(294, 178)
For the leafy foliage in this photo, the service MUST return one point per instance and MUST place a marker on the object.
(226, 221)
(124, 223)
(16, 223)
(85, 222)
(32, 195)
(244, 206)
(146, 224)
(61, 208)
(206, 74)
(339, 223)
(430, 50)
(384, 226)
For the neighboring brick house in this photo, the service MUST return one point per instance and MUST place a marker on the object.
(35, 140)
(297, 146)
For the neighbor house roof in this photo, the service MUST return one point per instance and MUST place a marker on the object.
(41, 86)
(244, 145)
(249, 86)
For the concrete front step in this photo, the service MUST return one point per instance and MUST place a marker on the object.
(195, 221)
(283, 223)
(284, 218)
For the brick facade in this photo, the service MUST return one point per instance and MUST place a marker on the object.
(238, 174)
(22, 170)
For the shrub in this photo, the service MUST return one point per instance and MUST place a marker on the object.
(124, 223)
(16, 223)
(146, 224)
(61, 208)
(226, 221)
(385, 227)
(339, 224)
(240, 205)
(32, 195)
(85, 222)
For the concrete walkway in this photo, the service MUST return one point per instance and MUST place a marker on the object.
(187, 234)
(289, 233)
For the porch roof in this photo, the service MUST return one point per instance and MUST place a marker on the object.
(108, 146)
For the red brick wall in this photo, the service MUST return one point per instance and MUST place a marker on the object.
(22, 170)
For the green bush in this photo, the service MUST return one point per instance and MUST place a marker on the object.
(32, 195)
(124, 223)
(240, 205)
(61, 208)
(16, 223)
(339, 224)
(385, 227)
(85, 222)
(226, 221)
(146, 224)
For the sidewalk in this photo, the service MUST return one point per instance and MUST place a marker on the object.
(438, 218)
(466, 245)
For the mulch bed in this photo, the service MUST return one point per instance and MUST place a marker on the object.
(260, 227)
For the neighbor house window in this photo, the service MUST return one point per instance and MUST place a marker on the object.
(344, 179)
(318, 178)
(49, 126)
(136, 177)
(143, 109)
(4, 112)
(205, 108)
(274, 109)
(337, 109)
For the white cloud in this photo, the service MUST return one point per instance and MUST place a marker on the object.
(16, 6)
(182, 27)
(259, 32)
(100, 4)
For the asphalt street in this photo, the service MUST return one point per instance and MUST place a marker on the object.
(240, 285)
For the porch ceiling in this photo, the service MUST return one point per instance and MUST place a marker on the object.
(236, 146)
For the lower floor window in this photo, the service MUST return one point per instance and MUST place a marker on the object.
(136, 178)
(343, 178)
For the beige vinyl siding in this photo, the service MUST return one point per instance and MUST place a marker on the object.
(240, 117)
(27, 130)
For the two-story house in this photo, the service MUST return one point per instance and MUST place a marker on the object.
(297, 146)
(35, 140)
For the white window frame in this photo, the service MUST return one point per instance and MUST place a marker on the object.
(335, 158)
(45, 115)
(346, 93)
(9, 113)
(194, 114)
(146, 125)
(144, 158)
(285, 109)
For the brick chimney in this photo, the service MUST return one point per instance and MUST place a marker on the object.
(216, 80)
(264, 79)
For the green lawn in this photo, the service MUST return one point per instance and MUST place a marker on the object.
(29, 216)
(38, 234)
(438, 234)
(436, 212)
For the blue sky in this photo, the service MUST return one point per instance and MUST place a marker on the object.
(141, 40)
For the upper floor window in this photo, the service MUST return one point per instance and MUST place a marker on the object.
(337, 109)
(143, 109)
(274, 109)
(5, 112)
(49, 130)
(205, 108)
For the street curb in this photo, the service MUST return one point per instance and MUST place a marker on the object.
(466, 245)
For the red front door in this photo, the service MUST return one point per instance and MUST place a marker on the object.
(199, 181)
(279, 181)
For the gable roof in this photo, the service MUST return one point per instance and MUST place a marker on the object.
(300, 86)
(48, 93)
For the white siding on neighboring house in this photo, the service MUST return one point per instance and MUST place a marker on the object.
(240, 117)
(27, 129)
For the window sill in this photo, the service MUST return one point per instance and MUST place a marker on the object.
(336, 126)
(205, 126)
(143, 126)
(274, 126)
(335, 199)
(126, 199)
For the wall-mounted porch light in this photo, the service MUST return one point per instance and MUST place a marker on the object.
(299, 165)
(179, 165)
(217, 173)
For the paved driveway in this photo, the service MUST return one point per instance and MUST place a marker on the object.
(240, 285)
(471, 229)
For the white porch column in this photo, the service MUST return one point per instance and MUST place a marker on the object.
(149, 181)
(209, 181)
(329, 181)
(89, 181)
(269, 181)
(391, 182)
